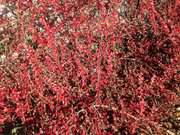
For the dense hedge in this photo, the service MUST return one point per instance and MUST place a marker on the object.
(97, 67)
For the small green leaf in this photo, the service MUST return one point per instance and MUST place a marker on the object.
(2, 48)
(14, 130)
(94, 47)
(29, 41)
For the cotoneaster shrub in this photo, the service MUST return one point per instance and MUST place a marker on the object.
(95, 67)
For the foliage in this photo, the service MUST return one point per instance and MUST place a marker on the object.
(90, 67)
